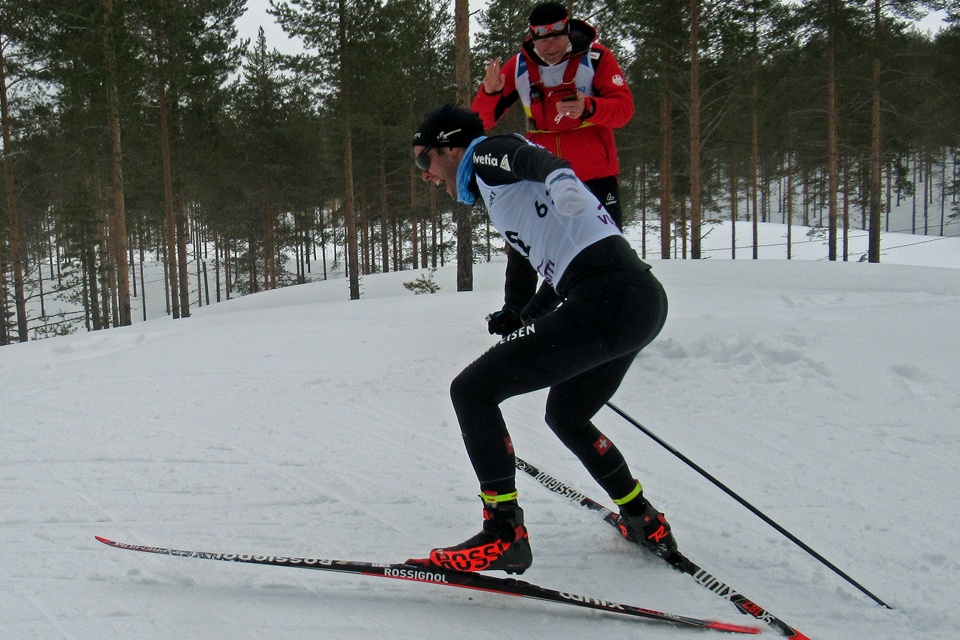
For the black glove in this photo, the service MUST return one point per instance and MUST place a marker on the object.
(504, 322)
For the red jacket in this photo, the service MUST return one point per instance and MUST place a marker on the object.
(588, 145)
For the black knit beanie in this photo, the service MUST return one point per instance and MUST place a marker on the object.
(448, 126)
(547, 13)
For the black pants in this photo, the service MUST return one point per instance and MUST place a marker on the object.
(581, 352)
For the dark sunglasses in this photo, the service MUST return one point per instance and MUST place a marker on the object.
(547, 30)
(423, 159)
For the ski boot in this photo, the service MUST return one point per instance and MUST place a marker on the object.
(640, 523)
(502, 545)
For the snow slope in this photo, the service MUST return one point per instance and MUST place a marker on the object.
(295, 422)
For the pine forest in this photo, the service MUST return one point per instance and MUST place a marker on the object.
(146, 137)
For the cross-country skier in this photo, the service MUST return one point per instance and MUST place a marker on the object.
(606, 306)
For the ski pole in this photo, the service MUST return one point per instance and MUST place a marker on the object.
(754, 510)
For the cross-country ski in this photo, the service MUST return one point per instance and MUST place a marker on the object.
(445, 578)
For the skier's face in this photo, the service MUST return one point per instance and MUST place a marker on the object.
(439, 165)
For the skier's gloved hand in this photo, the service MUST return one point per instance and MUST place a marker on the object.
(569, 195)
(504, 322)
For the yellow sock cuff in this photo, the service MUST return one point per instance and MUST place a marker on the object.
(637, 490)
(494, 498)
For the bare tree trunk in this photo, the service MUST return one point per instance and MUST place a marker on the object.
(181, 230)
(13, 218)
(464, 91)
(754, 166)
(889, 187)
(790, 197)
(423, 244)
(875, 218)
(683, 228)
(365, 266)
(846, 207)
(227, 267)
(350, 207)
(435, 241)
(101, 249)
(695, 206)
(914, 161)
(643, 211)
(415, 242)
(200, 259)
(109, 248)
(734, 204)
(831, 135)
(927, 187)
(170, 224)
(181, 220)
(162, 254)
(143, 288)
(4, 336)
(118, 218)
(434, 216)
(106, 273)
(943, 191)
(384, 217)
(92, 301)
(299, 248)
(269, 240)
(666, 159)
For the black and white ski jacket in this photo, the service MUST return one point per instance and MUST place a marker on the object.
(510, 174)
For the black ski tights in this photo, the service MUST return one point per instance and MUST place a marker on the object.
(581, 352)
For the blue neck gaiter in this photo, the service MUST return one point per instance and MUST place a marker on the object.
(465, 174)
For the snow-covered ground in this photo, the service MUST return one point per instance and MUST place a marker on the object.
(296, 422)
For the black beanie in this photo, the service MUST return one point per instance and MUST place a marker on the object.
(547, 13)
(448, 126)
